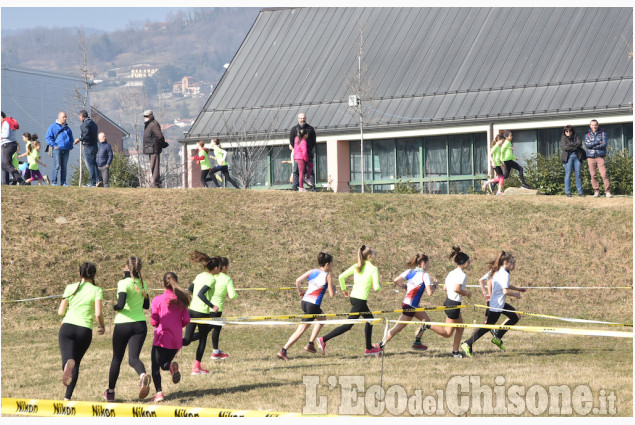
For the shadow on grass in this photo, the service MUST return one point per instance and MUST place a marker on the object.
(229, 390)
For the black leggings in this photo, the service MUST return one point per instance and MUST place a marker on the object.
(74, 341)
(201, 335)
(225, 170)
(205, 177)
(132, 334)
(492, 318)
(161, 359)
(216, 329)
(358, 306)
(509, 165)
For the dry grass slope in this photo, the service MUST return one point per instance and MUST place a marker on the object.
(273, 237)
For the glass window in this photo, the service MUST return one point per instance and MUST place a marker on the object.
(356, 173)
(549, 141)
(435, 187)
(460, 147)
(480, 153)
(613, 137)
(249, 164)
(280, 165)
(524, 144)
(460, 186)
(436, 156)
(383, 159)
(383, 188)
(321, 174)
(628, 138)
(408, 157)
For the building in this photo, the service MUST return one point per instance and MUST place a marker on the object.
(143, 70)
(436, 85)
(186, 87)
(115, 134)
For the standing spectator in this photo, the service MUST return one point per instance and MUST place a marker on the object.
(104, 159)
(153, 144)
(572, 156)
(310, 144)
(595, 141)
(9, 147)
(89, 143)
(60, 137)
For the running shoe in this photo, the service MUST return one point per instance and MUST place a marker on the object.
(157, 397)
(321, 345)
(466, 349)
(144, 385)
(282, 354)
(109, 396)
(419, 346)
(310, 347)
(499, 343)
(199, 370)
(99, 184)
(484, 185)
(373, 351)
(219, 356)
(457, 355)
(174, 371)
(67, 376)
(525, 186)
(608, 194)
(500, 193)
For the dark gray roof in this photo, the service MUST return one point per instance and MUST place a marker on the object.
(424, 67)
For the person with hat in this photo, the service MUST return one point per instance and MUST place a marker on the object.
(153, 144)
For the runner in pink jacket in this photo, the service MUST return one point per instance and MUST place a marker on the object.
(168, 316)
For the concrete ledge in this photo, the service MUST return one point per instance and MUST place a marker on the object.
(519, 191)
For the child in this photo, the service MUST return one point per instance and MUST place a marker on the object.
(34, 163)
(83, 300)
(130, 327)
(500, 287)
(417, 280)
(319, 282)
(497, 165)
(301, 156)
(455, 287)
(224, 287)
(168, 316)
(365, 275)
(508, 158)
(203, 159)
(201, 289)
(220, 156)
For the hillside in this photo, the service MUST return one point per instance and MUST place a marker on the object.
(271, 238)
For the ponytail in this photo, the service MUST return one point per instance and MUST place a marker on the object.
(183, 297)
(460, 257)
(324, 258)
(494, 265)
(134, 265)
(87, 271)
(210, 263)
(416, 260)
(363, 254)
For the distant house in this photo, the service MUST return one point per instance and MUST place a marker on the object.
(186, 87)
(143, 70)
(115, 134)
(183, 122)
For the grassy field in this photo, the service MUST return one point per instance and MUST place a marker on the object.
(273, 237)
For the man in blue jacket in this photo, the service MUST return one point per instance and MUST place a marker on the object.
(60, 137)
(595, 141)
(89, 144)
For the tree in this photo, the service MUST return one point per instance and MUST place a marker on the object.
(123, 172)
(150, 85)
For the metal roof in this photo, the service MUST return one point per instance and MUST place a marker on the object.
(423, 67)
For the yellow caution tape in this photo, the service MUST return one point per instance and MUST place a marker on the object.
(18, 406)
(217, 322)
(537, 329)
(565, 319)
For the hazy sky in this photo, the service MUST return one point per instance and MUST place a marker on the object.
(102, 18)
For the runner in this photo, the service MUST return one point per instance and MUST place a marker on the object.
(224, 287)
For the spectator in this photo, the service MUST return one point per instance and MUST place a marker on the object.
(9, 147)
(572, 156)
(595, 141)
(302, 125)
(60, 137)
(104, 159)
(153, 144)
(89, 143)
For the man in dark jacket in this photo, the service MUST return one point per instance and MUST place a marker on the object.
(572, 156)
(153, 144)
(310, 146)
(595, 142)
(104, 158)
(89, 145)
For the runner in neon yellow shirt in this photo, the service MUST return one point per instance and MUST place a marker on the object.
(80, 303)
(365, 276)
(130, 328)
(220, 156)
(224, 287)
(203, 160)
